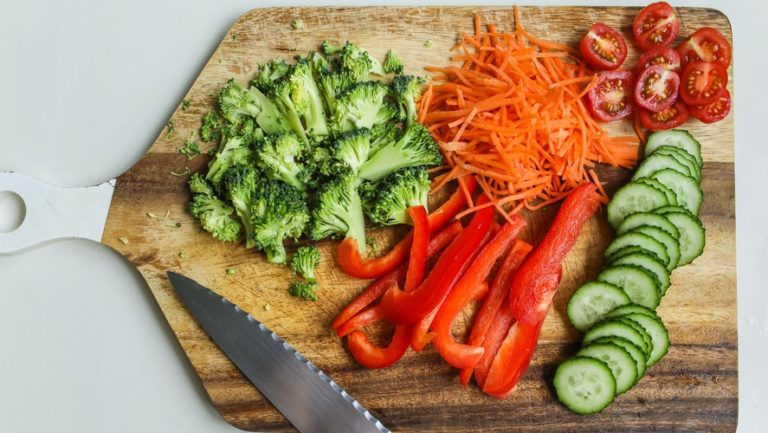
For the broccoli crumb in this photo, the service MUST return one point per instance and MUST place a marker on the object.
(170, 128)
(184, 104)
(297, 24)
(184, 172)
(176, 226)
(373, 246)
(231, 271)
(190, 149)
(123, 240)
(305, 261)
(267, 307)
(155, 216)
(428, 43)
(182, 255)
(234, 38)
(392, 63)
(304, 290)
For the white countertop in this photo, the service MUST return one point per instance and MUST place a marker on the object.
(85, 86)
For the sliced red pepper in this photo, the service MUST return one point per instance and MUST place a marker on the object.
(489, 315)
(413, 306)
(417, 264)
(479, 291)
(370, 356)
(353, 264)
(375, 290)
(528, 302)
(454, 353)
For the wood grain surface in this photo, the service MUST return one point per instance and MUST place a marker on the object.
(693, 389)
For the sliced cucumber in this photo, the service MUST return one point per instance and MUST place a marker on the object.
(687, 189)
(648, 219)
(634, 238)
(630, 249)
(630, 309)
(620, 362)
(616, 328)
(656, 330)
(638, 354)
(592, 301)
(670, 243)
(641, 286)
(656, 162)
(671, 196)
(650, 263)
(676, 138)
(683, 157)
(584, 385)
(647, 341)
(692, 234)
(634, 197)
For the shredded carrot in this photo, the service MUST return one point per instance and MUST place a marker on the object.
(510, 113)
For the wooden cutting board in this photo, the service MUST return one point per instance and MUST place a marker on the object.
(693, 389)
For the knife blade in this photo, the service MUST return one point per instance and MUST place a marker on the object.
(306, 396)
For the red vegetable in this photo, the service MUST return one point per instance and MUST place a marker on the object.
(656, 88)
(714, 111)
(418, 260)
(664, 56)
(603, 48)
(705, 44)
(479, 292)
(611, 98)
(703, 82)
(668, 118)
(656, 25)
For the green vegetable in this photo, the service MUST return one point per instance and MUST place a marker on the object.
(407, 89)
(278, 212)
(170, 128)
(339, 211)
(231, 271)
(240, 184)
(304, 262)
(198, 185)
(280, 155)
(235, 149)
(210, 130)
(297, 24)
(190, 149)
(304, 289)
(215, 216)
(363, 105)
(184, 104)
(237, 104)
(392, 63)
(386, 202)
(415, 148)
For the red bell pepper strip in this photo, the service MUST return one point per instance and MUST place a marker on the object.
(375, 290)
(479, 291)
(487, 316)
(454, 353)
(492, 341)
(353, 264)
(528, 301)
(370, 356)
(417, 264)
(413, 306)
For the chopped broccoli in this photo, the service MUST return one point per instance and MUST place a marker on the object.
(170, 128)
(352, 148)
(362, 106)
(319, 63)
(308, 100)
(329, 49)
(235, 149)
(198, 185)
(428, 43)
(210, 130)
(304, 290)
(392, 63)
(406, 89)
(332, 84)
(386, 202)
(282, 95)
(184, 104)
(338, 210)
(237, 103)
(278, 212)
(416, 147)
(190, 149)
(240, 182)
(269, 73)
(359, 63)
(280, 155)
(304, 262)
(215, 216)
(297, 24)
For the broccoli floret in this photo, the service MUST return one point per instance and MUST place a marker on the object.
(190, 149)
(329, 49)
(198, 185)
(383, 134)
(332, 84)
(406, 89)
(307, 99)
(319, 63)
(210, 130)
(278, 212)
(352, 148)
(215, 216)
(304, 262)
(416, 147)
(359, 63)
(282, 95)
(240, 183)
(386, 202)
(363, 105)
(233, 150)
(338, 210)
(304, 290)
(269, 73)
(280, 157)
(237, 104)
(392, 63)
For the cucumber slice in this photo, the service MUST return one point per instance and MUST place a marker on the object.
(641, 360)
(640, 285)
(683, 157)
(671, 196)
(641, 240)
(647, 341)
(648, 219)
(630, 249)
(670, 243)
(584, 385)
(592, 301)
(634, 197)
(650, 263)
(616, 328)
(676, 138)
(620, 362)
(692, 234)
(687, 189)
(656, 162)
(630, 309)
(654, 327)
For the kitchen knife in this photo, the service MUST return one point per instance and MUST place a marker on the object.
(309, 399)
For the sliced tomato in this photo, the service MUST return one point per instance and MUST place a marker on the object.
(705, 44)
(656, 88)
(603, 47)
(611, 98)
(668, 118)
(703, 82)
(714, 111)
(664, 56)
(656, 25)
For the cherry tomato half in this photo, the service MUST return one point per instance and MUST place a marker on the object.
(705, 44)
(611, 98)
(664, 56)
(703, 82)
(656, 88)
(603, 47)
(668, 118)
(656, 25)
(714, 111)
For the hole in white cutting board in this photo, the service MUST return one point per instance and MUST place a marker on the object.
(12, 211)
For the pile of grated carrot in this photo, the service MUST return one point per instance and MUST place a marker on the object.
(512, 115)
